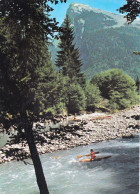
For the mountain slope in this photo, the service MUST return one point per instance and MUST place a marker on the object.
(105, 40)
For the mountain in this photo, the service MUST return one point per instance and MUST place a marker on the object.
(105, 40)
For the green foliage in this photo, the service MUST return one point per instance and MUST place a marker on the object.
(26, 73)
(75, 98)
(132, 8)
(93, 97)
(68, 55)
(28, 80)
(118, 53)
(50, 111)
(72, 95)
(60, 108)
(48, 89)
(105, 42)
(118, 87)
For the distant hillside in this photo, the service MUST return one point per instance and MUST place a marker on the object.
(105, 40)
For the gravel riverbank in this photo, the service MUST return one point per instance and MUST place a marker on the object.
(85, 129)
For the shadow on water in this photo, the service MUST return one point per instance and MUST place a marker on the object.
(65, 175)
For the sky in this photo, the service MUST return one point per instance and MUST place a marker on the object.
(107, 5)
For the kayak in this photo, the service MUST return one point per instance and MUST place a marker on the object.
(97, 159)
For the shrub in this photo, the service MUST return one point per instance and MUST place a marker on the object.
(76, 100)
(93, 97)
(118, 87)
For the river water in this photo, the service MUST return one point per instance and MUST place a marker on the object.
(116, 175)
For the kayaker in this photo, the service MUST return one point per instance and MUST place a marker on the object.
(92, 154)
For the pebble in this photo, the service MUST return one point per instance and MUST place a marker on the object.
(121, 125)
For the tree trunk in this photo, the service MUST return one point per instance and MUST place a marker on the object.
(36, 160)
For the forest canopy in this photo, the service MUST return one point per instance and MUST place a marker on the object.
(29, 83)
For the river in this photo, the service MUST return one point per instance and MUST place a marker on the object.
(116, 175)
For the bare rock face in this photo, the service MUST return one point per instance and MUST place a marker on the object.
(104, 40)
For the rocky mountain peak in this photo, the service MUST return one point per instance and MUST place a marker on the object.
(79, 8)
(104, 39)
(76, 11)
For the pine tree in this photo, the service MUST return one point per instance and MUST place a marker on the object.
(68, 57)
(25, 68)
(75, 98)
(132, 8)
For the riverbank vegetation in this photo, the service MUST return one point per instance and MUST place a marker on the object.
(114, 87)
(31, 88)
(85, 129)
(118, 87)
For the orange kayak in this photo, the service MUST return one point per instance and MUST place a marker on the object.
(97, 159)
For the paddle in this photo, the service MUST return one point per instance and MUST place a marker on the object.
(84, 155)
